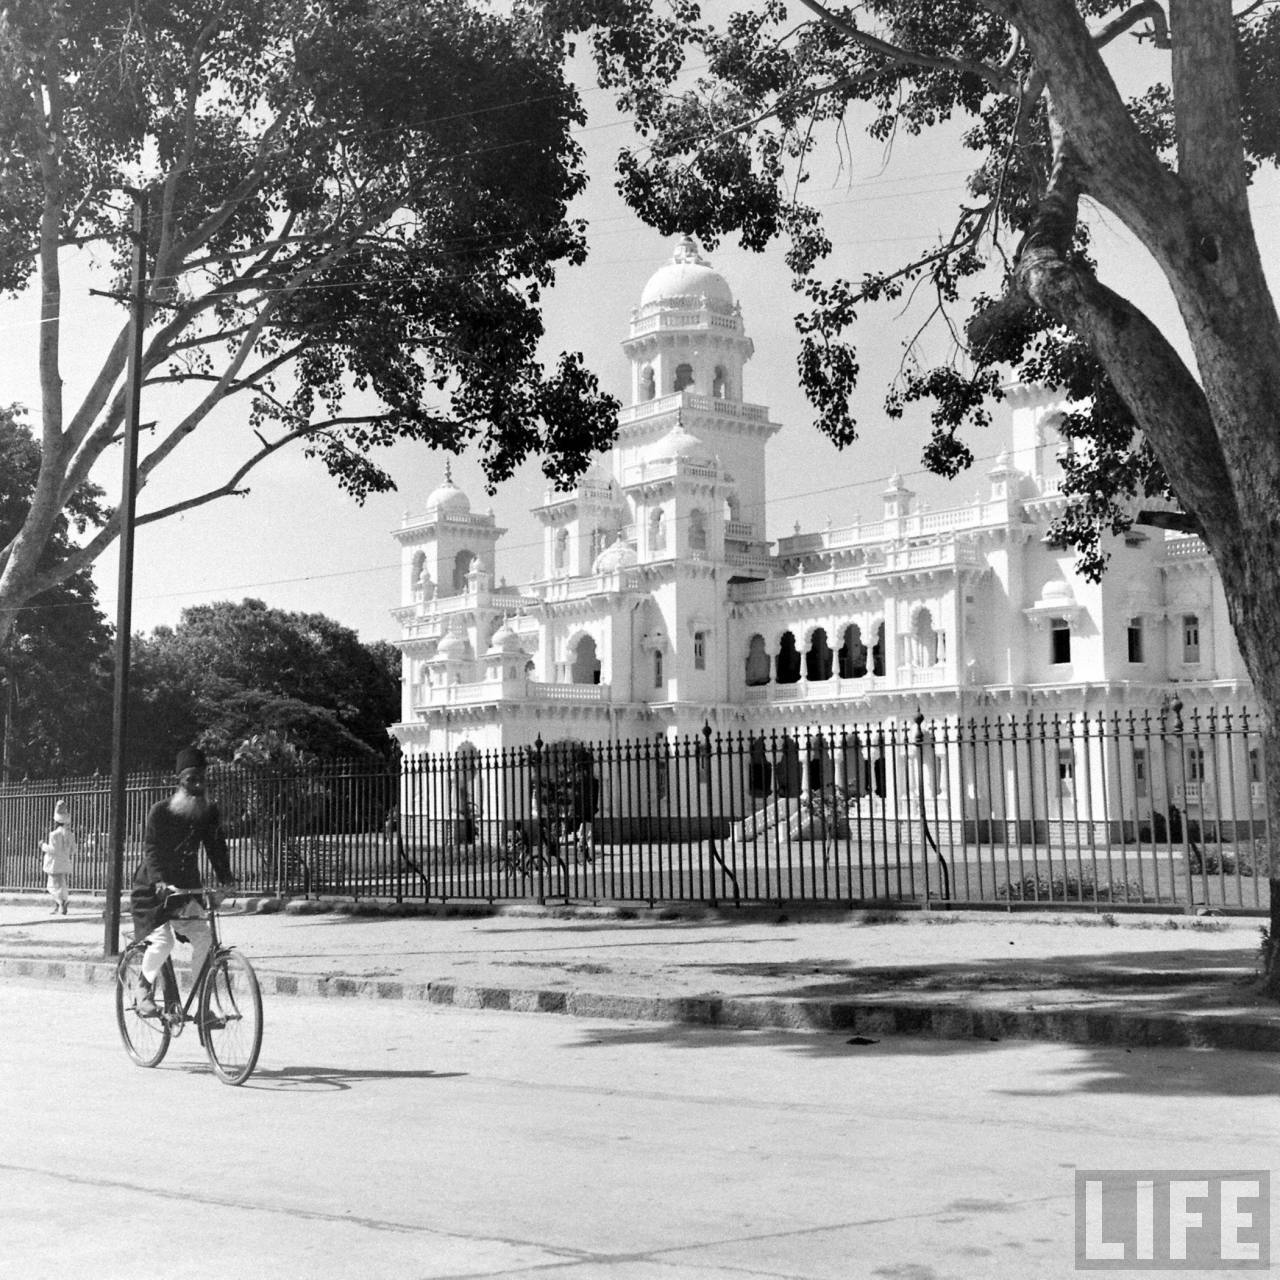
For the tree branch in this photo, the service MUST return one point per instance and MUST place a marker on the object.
(1206, 99)
(998, 78)
(1131, 17)
(1118, 165)
(183, 160)
(1155, 384)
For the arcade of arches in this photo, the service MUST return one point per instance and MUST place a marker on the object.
(850, 661)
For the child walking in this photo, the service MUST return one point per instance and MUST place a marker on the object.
(58, 851)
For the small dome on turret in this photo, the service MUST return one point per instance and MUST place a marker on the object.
(505, 641)
(618, 555)
(453, 648)
(448, 499)
(678, 443)
(688, 278)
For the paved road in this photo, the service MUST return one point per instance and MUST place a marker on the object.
(407, 1142)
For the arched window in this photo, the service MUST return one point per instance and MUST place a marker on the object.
(462, 563)
(657, 669)
(924, 639)
(817, 661)
(657, 530)
(759, 770)
(787, 771)
(683, 378)
(787, 666)
(697, 531)
(853, 654)
(757, 661)
(648, 384)
(467, 790)
(877, 651)
(719, 383)
(586, 665)
(821, 765)
(562, 549)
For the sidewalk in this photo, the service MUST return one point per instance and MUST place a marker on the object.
(1115, 980)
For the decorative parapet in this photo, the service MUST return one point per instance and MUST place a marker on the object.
(1185, 547)
(558, 590)
(658, 316)
(918, 524)
(474, 521)
(695, 403)
(429, 615)
(475, 692)
(803, 584)
(944, 554)
(851, 688)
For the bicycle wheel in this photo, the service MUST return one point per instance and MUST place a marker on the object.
(230, 1017)
(146, 1040)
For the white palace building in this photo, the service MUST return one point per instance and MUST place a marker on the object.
(662, 607)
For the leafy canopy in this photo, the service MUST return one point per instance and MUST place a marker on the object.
(736, 116)
(229, 673)
(356, 196)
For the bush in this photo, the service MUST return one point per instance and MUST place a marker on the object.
(1248, 861)
(1070, 888)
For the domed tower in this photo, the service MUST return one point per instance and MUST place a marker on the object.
(439, 549)
(687, 348)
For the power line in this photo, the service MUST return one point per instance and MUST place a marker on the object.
(396, 565)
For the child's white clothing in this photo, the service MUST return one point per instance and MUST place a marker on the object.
(58, 850)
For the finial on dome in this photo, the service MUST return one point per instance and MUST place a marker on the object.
(448, 471)
(687, 250)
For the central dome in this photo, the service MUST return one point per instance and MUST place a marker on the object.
(687, 277)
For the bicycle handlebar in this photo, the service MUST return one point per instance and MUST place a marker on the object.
(210, 897)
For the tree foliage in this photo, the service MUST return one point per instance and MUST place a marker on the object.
(354, 208)
(728, 148)
(55, 702)
(230, 674)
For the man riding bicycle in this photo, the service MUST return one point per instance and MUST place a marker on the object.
(176, 830)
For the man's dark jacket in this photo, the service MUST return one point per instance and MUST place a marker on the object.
(170, 854)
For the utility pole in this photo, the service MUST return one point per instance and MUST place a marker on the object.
(124, 593)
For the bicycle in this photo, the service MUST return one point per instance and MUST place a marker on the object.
(224, 994)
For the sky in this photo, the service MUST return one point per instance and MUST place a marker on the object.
(298, 543)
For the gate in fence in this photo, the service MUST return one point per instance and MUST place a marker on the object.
(1107, 812)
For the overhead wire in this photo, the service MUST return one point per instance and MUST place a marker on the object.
(390, 566)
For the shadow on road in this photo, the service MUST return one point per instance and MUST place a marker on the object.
(1089, 1069)
(314, 1079)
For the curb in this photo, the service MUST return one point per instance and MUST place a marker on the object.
(880, 1017)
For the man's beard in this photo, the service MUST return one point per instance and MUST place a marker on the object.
(184, 805)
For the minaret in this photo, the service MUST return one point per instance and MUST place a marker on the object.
(688, 348)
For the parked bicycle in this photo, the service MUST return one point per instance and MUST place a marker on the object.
(543, 844)
(224, 1001)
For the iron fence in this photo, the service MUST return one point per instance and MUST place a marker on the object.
(1109, 811)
